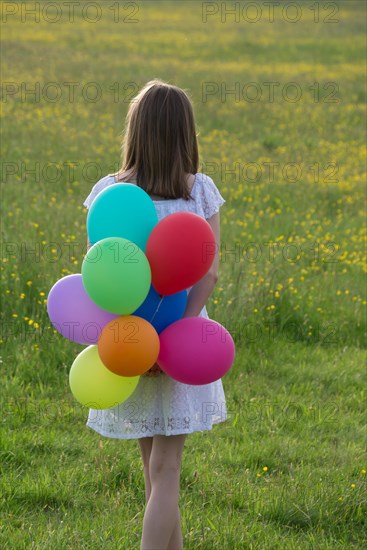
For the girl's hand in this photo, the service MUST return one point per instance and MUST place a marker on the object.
(155, 370)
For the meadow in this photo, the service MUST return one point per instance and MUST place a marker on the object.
(280, 104)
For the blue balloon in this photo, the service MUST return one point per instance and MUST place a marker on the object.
(122, 210)
(162, 311)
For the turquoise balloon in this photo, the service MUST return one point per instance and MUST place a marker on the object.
(116, 275)
(122, 210)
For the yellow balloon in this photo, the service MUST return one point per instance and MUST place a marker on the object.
(95, 386)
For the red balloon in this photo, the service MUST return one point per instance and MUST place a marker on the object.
(180, 250)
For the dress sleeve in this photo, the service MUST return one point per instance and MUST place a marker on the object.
(96, 189)
(211, 198)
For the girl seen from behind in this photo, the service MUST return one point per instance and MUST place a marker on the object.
(160, 155)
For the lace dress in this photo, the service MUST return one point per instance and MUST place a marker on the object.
(159, 404)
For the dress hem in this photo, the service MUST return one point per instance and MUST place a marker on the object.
(140, 436)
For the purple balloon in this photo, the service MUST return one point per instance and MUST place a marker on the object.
(74, 315)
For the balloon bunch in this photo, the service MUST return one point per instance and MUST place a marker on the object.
(128, 301)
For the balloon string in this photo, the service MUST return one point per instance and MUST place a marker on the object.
(158, 306)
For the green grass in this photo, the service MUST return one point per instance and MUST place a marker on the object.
(295, 393)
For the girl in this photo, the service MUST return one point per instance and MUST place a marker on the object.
(160, 155)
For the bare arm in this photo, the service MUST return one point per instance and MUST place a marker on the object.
(199, 294)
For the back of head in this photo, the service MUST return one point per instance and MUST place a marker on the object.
(160, 144)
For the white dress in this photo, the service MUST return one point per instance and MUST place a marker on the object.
(159, 404)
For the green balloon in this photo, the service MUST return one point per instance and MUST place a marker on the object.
(116, 275)
(94, 386)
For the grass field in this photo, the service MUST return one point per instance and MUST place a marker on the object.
(280, 108)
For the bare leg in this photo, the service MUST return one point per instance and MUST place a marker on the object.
(175, 542)
(146, 444)
(161, 513)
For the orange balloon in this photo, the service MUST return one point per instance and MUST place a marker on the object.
(128, 345)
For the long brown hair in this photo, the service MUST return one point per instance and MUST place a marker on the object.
(159, 146)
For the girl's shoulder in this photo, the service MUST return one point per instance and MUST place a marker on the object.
(98, 187)
(203, 181)
(207, 194)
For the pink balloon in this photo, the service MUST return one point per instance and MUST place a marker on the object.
(73, 313)
(196, 351)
